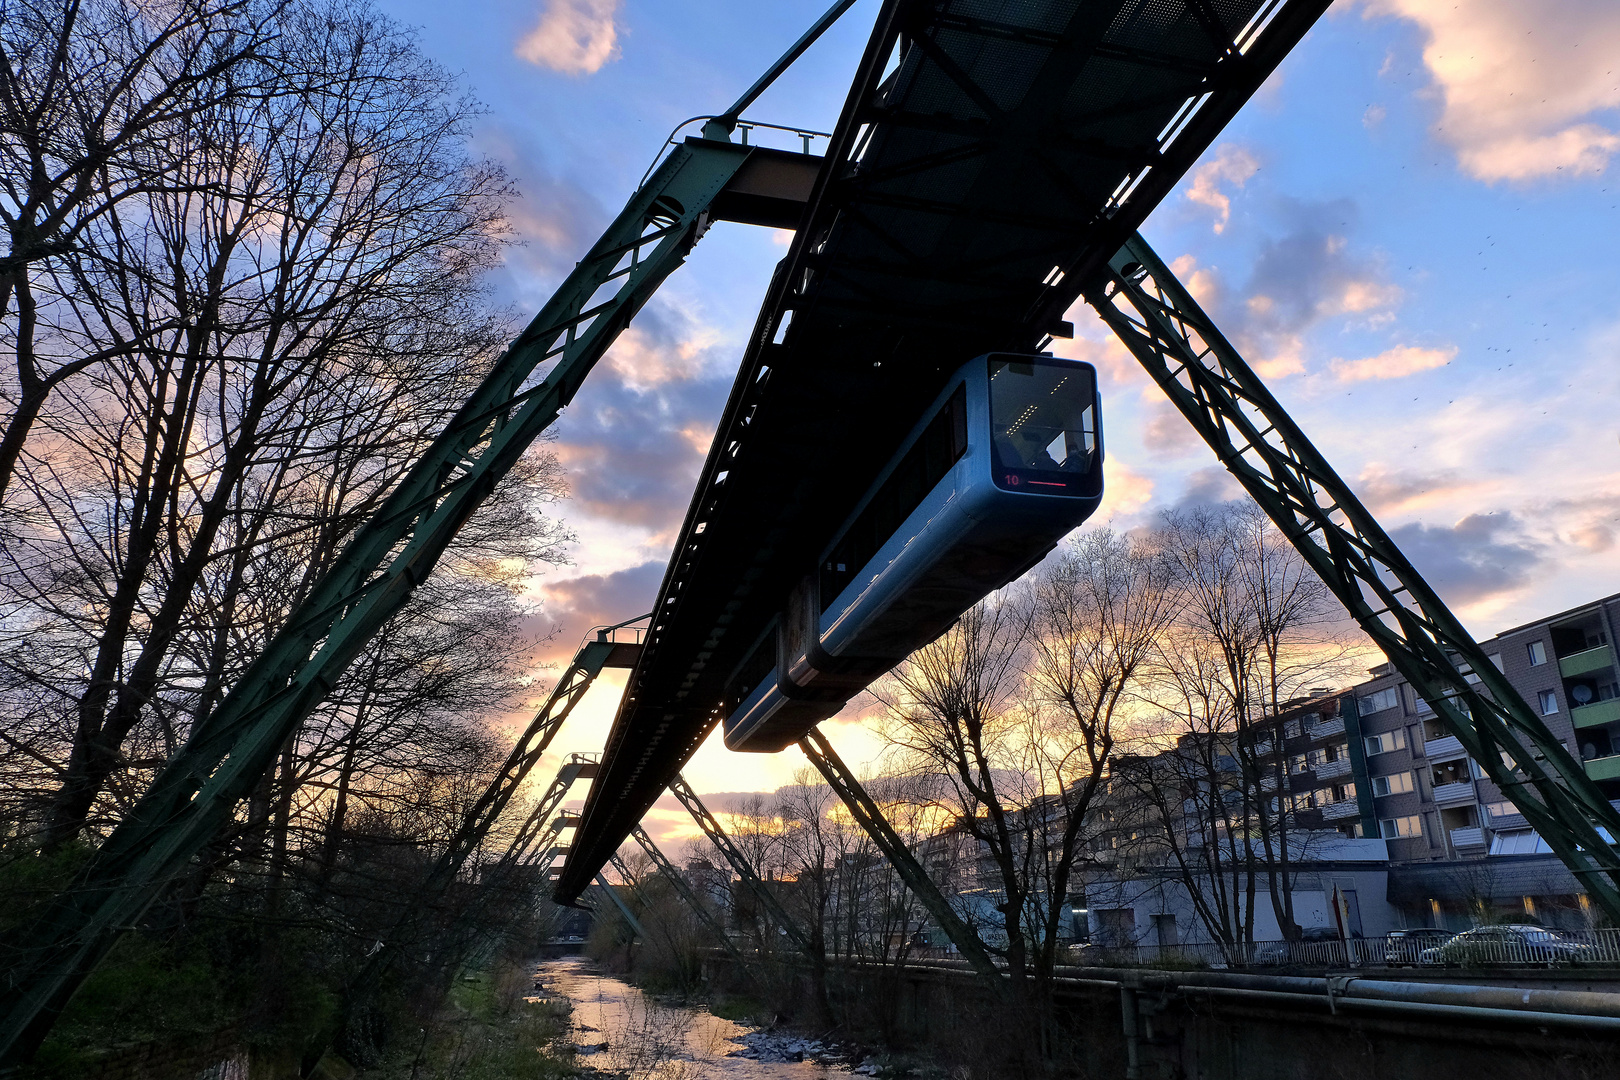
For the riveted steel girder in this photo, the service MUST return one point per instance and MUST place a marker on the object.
(869, 815)
(1253, 436)
(728, 848)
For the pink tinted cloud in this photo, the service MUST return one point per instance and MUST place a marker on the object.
(1527, 89)
(573, 37)
(1395, 363)
(1232, 166)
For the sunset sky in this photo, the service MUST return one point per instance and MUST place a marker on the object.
(1410, 231)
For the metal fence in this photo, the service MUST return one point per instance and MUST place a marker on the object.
(1482, 946)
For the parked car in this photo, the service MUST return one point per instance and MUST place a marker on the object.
(1315, 946)
(1512, 943)
(1407, 946)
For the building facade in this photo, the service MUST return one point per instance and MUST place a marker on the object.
(1337, 771)
(1459, 851)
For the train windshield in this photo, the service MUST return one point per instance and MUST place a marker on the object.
(1043, 425)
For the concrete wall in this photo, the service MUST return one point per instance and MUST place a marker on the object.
(1183, 1033)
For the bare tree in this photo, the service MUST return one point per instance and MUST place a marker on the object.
(955, 709)
(93, 95)
(1100, 610)
(289, 305)
(1257, 628)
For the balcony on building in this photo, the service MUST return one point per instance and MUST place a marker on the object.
(1604, 768)
(1446, 746)
(1504, 815)
(1338, 811)
(1332, 770)
(1596, 714)
(1468, 839)
(1585, 662)
(1456, 794)
(1326, 726)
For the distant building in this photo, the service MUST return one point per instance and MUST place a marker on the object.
(1374, 763)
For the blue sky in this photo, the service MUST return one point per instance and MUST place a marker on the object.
(1410, 231)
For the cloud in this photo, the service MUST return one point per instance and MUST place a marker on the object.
(574, 37)
(1125, 491)
(1202, 281)
(577, 604)
(1209, 487)
(554, 220)
(1307, 274)
(634, 440)
(1524, 86)
(1310, 273)
(1480, 556)
(1166, 433)
(1233, 165)
(1385, 490)
(1394, 363)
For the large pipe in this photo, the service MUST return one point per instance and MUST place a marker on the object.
(1486, 1005)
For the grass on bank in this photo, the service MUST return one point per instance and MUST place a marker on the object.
(486, 1030)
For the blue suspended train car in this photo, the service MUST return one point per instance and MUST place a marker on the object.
(1004, 463)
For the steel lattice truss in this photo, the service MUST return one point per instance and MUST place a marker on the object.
(683, 888)
(728, 848)
(869, 815)
(1253, 436)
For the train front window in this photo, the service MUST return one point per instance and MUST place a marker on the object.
(1043, 426)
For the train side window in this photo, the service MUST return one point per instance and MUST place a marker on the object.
(941, 443)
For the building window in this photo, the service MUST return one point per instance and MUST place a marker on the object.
(1496, 661)
(1503, 809)
(1387, 698)
(1394, 784)
(1549, 702)
(1384, 742)
(1538, 653)
(1392, 828)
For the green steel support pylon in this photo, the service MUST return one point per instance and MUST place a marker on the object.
(197, 791)
(1253, 436)
(869, 815)
(594, 655)
(682, 887)
(733, 854)
(624, 909)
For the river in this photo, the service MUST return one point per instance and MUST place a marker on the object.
(651, 1040)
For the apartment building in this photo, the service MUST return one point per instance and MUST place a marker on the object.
(1369, 775)
(1310, 752)
(1458, 848)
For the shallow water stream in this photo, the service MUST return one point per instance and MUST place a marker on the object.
(648, 1039)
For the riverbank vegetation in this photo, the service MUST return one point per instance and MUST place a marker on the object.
(244, 290)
